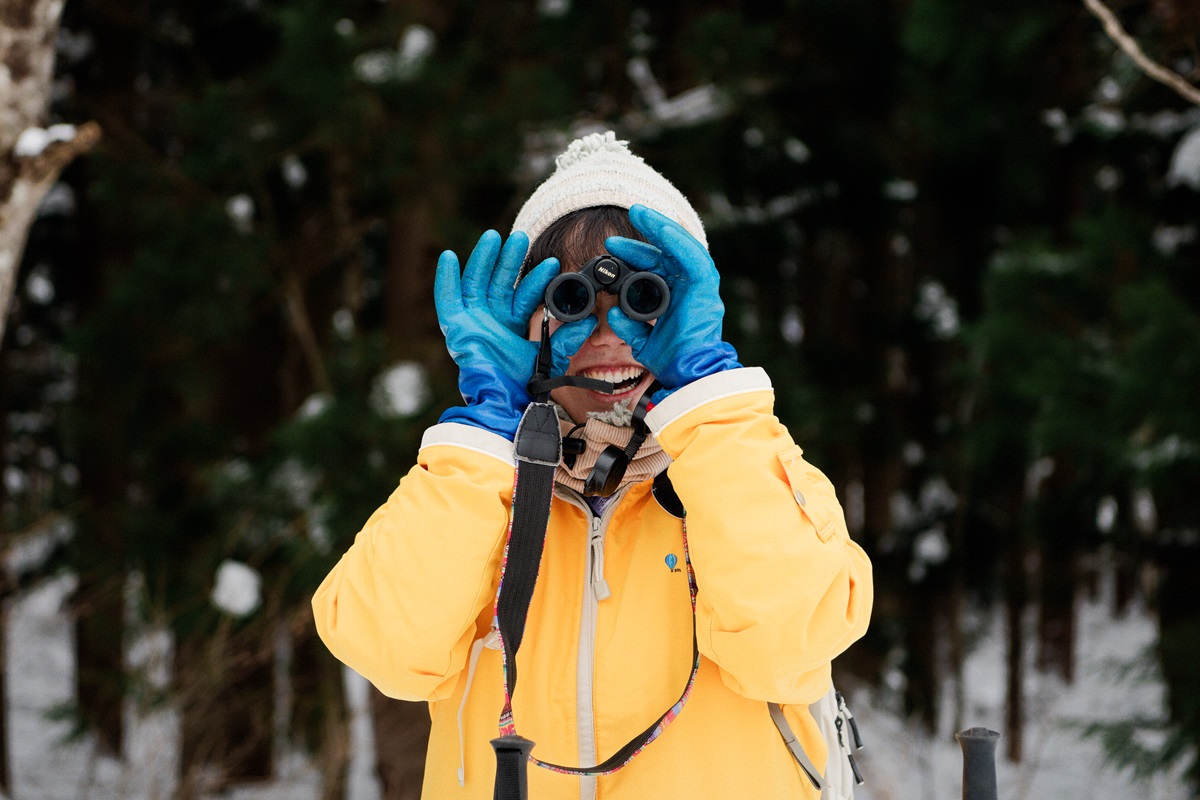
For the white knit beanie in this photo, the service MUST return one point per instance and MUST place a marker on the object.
(599, 170)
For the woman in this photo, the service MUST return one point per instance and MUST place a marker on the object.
(608, 643)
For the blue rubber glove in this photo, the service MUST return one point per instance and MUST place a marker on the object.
(685, 343)
(485, 322)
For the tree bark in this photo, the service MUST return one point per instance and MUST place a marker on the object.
(100, 549)
(1178, 645)
(1061, 516)
(1056, 610)
(411, 318)
(99, 612)
(7, 588)
(957, 599)
(923, 686)
(1016, 599)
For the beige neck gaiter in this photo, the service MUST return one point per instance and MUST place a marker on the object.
(647, 462)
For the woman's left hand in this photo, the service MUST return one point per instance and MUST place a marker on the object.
(685, 343)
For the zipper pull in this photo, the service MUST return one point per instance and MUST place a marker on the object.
(849, 717)
(858, 742)
(491, 639)
(599, 585)
(844, 714)
(858, 778)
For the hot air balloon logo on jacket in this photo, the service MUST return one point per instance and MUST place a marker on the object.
(671, 561)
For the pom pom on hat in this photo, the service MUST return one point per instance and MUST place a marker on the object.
(580, 149)
(599, 170)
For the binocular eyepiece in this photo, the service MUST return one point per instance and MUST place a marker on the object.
(642, 295)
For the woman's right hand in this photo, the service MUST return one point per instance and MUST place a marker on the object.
(485, 321)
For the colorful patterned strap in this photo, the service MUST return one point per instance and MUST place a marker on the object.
(518, 574)
(642, 740)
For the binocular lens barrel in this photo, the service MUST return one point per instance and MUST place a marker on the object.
(643, 296)
(572, 298)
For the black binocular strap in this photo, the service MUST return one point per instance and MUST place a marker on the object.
(538, 449)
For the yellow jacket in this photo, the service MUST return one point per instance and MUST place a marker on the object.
(782, 590)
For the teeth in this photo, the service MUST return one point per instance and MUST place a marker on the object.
(615, 375)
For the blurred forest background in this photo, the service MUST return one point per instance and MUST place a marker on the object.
(962, 237)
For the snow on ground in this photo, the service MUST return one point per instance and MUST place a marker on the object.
(46, 765)
(900, 762)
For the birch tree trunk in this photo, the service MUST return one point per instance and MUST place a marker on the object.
(31, 157)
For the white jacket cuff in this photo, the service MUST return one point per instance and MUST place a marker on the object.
(456, 434)
(714, 387)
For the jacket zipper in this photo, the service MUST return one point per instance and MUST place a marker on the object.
(595, 589)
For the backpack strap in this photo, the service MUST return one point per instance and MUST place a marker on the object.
(793, 744)
(840, 732)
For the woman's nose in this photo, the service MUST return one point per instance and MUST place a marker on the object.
(603, 333)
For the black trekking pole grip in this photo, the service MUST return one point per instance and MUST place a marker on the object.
(512, 759)
(979, 763)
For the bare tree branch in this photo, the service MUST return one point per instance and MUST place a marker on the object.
(1112, 26)
(28, 32)
(31, 178)
(302, 328)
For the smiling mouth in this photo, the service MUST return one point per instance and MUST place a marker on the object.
(622, 378)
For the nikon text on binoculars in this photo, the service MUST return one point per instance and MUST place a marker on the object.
(643, 296)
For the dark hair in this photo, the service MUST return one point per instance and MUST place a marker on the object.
(576, 237)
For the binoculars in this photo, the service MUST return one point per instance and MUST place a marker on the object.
(643, 296)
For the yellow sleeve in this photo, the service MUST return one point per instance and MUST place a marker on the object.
(400, 606)
(782, 587)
